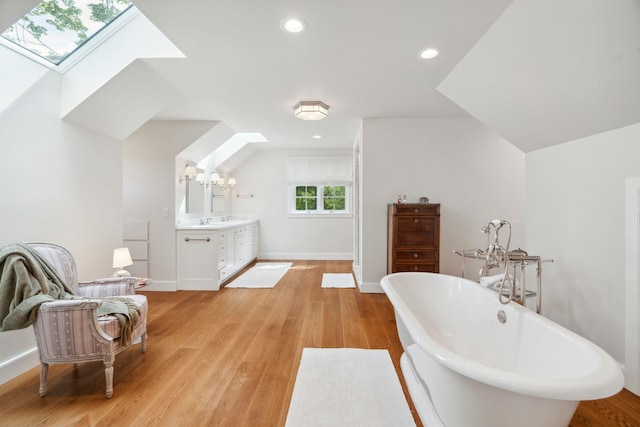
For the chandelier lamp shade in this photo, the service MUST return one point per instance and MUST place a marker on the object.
(311, 110)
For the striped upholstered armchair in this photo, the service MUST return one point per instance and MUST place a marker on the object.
(70, 331)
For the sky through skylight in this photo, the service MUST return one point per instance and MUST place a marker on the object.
(55, 29)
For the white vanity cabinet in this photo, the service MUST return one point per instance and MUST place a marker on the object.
(222, 249)
(241, 249)
(254, 240)
(209, 256)
(240, 239)
(197, 264)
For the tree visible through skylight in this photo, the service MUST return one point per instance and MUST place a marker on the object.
(54, 29)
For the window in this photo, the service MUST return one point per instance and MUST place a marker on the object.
(313, 200)
(306, 198)
(54, 29)
(334, 198)
(319, 186)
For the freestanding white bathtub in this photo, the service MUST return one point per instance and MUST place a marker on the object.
(465, 368)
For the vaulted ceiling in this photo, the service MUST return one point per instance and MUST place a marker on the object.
(549, 72)
(538, 72)
(360, 57)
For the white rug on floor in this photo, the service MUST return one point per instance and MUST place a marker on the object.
(261, 275)
(338, 280)
(347, 387)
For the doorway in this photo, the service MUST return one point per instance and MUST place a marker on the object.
(632, 285)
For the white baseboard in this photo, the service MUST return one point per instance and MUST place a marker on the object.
(19, 365)
(370, 288)
(164, 286)
(199, 285)
(324, 256)
(356, 271)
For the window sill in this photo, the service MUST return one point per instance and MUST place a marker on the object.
(320, 215)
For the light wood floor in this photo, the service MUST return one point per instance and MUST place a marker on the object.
(230, 358)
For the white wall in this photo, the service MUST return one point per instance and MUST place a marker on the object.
(17, 78)
(150, 188)
(575, 215)
(473, 173)
(61, 184)
(265, 176)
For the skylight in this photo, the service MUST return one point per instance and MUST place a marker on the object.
(54, 29)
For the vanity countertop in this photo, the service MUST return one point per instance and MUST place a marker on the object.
(217, 225)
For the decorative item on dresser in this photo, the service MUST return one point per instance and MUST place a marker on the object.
(413, 242)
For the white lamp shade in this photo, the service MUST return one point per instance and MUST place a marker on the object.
(190, 171)
(200, 178)
(215, 177)
(231, 182)
(121, 258)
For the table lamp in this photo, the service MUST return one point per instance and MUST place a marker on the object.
(121, 259)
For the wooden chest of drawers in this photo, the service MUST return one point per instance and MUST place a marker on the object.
(413, 242)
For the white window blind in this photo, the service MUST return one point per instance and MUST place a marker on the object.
(320, 170)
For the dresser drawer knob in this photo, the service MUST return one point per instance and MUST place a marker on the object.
(416, 220)
(416, 210)
(415, 254)
(415, 268)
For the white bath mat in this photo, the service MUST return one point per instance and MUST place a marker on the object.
(338, 280)
(347, 387)
(261, 275)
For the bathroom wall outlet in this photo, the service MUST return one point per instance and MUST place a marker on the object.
(165, 212)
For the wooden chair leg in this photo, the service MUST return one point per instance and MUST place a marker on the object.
(108, 373)
(144, 342)
(44, 374)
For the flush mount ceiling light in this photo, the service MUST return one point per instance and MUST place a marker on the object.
(293, 25)
(311, 110)
(429, 53)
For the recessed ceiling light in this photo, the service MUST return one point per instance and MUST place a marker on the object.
(293, 25)
(429, 53)
(317, 137)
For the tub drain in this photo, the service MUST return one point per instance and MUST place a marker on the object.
(502, 316)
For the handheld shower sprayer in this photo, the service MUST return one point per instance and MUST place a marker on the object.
(495, 223)
(498, 223)
(506, 281)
